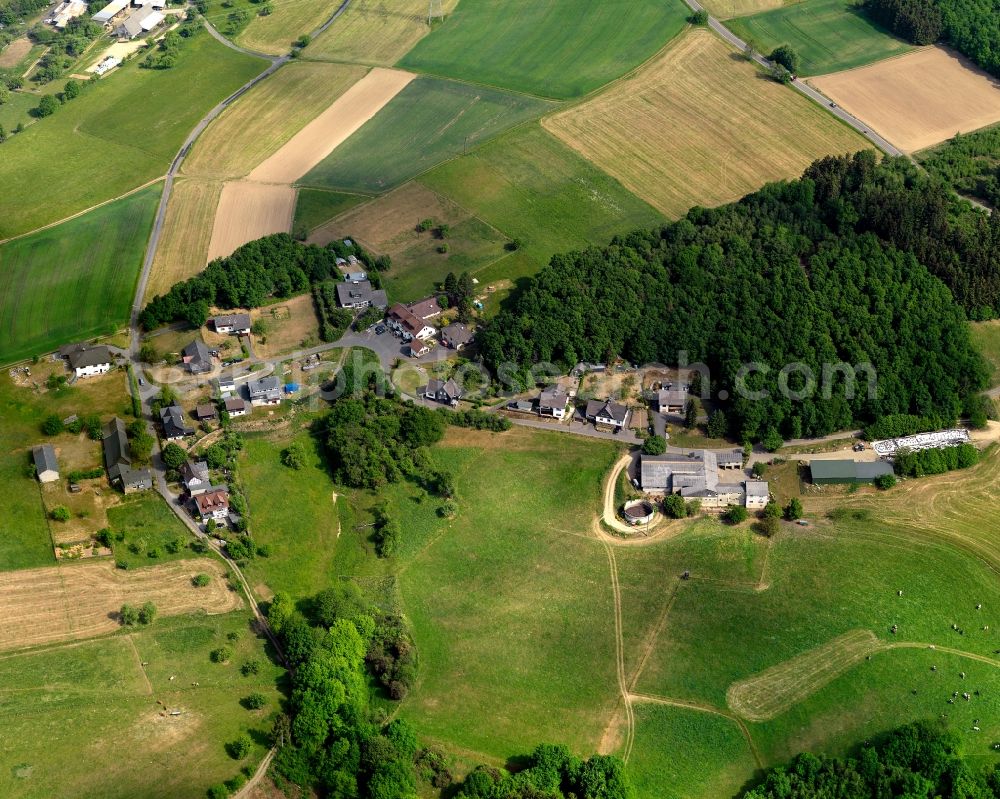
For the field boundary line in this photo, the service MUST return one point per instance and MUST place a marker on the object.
(71, 217)
(654, 636)
(889, 646)
(138, 662)
(705, 708)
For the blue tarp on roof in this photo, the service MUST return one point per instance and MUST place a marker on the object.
(291, 388)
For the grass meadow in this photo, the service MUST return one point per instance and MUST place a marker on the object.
(530, 186)
(828, 35)
(275, 33)
(428, 122)
(152, 532)
(986, 336)
(75, 280)
(24, 535)
(314, 207)
(527, 46)
(122, 132)
(86, 720)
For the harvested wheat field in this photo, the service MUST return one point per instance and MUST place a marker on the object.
(187, 233)
(770, 693)
(375, 32)
(267, 116)
(247, 211)
(700, 127)
(918, 99)
(321, 136)
(63, 603)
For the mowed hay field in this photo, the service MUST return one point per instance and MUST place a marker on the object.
(726, 9)
(528, 45)
(827, 35)
(80, 600)
(429, 121)
(375, 32)
(918, 99)
(700, 127)
(187, 232)
(387, 225)
(92, 719)
(120, 133)
(247, 211)
(266, 117)
(274, 33)
(74, 280)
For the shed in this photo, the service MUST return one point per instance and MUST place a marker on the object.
(46, 466)
(829, 472)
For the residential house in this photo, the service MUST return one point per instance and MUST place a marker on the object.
(360, 295)
(418, 348)
(425, 309)
(237, 406)
(671, 399)
(265, 391)
(355, 277)
(174, 423)
(46, 465)
(552, 402)
(118, 459)
(407, 324)
(456, 336)
(206, 412)
(607, 414)
(87, 360)
(444, 391)
(197, 358)
(195, 477)
(757, 494)
(847, 471)
(213, 505)
(227, 386)
(236, 324)
(695, 475)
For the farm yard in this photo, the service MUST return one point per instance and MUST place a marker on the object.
(81, 600)
(375, 33)
(81, 718)
(827, 35)
(528, 46)
(89, 152)
(710, 128)
(429, 121)
(387, 225)
(73, 280)
(919, 99)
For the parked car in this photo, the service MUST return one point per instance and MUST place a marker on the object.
(379, 330)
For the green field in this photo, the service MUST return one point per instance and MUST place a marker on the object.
(75, 280)
(16, 109)
(122, 132)
(88, 721)
(828, 35)
(152, 532)
(292, 512)
(530, 186)
(428, 122)
(986, 336)
(528, 46)
(313, 207)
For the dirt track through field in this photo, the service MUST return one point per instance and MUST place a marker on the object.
(918, 99)
(771, 692)
(71, 602)
(332, 127)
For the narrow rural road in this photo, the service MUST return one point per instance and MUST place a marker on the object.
(802, 87)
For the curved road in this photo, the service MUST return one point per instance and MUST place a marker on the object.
(799, 85)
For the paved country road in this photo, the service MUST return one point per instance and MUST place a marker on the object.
(799, 85)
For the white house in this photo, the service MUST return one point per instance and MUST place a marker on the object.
(607, 413)
(552, 402)
(266, 391)
(237, 406)
(407, 324)
(238, 324)
(86, 360)
(195, 477)
(213, 505)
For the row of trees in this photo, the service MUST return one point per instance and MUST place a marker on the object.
(842, 266)
(917, 760)
(970, 26)
(937, 460)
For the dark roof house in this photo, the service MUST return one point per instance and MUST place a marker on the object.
(446, 391)
(607, 412)
(456, 336)
(197, 358)
(174, 423)
(360, 295)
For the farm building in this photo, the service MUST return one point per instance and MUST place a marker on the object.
(758, 494)
(407, 324)
(638, 511)
(888, 447)
(195, 477)
(696, 475)
(197, 358)
(360, 295)
(238, 324)
(552, 402)
(174, 423)
(106, 65)
(46, 465)
(456, 336)
(847, 471)
(118, 459)
(66, 11)
(265, 391)
(87, 360)
(110, 12)
(445, 391)
(607, 414)
(140, 21)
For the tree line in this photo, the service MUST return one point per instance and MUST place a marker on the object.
(917, 761)
(844, 265)
(970, 26)
(272, 266)
(970, 164)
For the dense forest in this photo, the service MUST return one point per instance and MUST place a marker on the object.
(917, 761)
(970, 26)
(970, 164)
(273, 266)
(838, 266)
